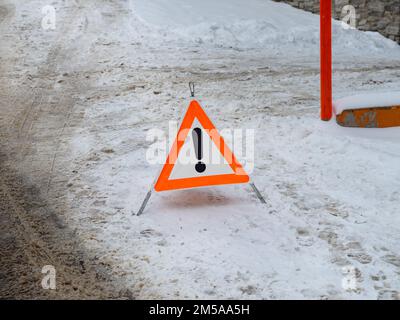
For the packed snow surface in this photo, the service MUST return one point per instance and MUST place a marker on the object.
(331, 215)
(330, 226)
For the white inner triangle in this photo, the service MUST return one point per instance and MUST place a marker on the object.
(185, 166)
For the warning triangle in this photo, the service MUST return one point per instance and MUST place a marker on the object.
(199, 156)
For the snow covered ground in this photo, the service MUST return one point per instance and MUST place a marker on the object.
(331, 225)
(332, 193)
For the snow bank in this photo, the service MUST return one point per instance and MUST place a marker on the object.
(367, 100)
(252, 24)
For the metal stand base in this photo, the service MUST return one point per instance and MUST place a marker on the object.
(144, 204)
(258, 193)
(148, 195)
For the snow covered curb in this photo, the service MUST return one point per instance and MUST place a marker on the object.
(367, 100)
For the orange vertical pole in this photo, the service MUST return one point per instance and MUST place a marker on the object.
(326, 59)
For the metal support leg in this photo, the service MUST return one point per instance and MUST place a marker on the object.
(146, 199)
(258, 193)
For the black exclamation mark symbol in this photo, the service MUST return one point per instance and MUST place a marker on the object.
(198, 147)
